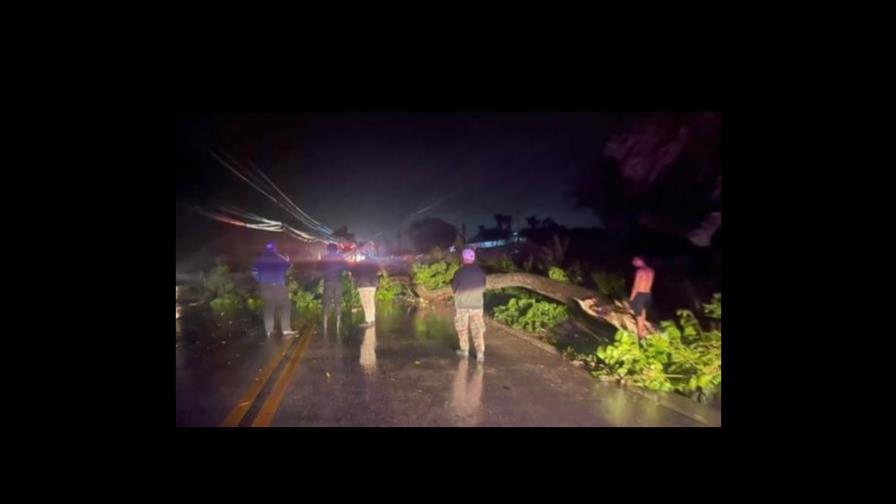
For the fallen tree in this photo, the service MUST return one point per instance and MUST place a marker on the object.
(617, 313)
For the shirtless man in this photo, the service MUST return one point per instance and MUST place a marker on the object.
(640, 297)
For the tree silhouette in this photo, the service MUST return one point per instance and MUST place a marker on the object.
(432, 232)
(503, 221)
(663, 173)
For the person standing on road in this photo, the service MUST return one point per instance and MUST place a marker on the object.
(365, 273)
(333, 265)
(270, 273)
(468, 286)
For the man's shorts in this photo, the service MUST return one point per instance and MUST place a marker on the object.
(640, 303)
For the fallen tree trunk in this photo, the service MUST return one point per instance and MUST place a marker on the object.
(558, 291)
(614, 312)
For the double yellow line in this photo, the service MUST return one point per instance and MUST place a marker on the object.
(272, 402)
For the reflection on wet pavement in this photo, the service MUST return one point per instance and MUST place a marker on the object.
(466, 393)
(368, 350)
(401, 372)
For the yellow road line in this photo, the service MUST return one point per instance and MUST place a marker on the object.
(272, 403)
(245, 402)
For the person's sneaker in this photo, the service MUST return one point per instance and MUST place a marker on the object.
(290, 333)
(462, 353)
(480, 357)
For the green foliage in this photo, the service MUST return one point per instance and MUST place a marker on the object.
(306, 301)
(254, 303)
(435, 275)
(307, 297)
(557, 274)
(589, 359)
(226, 306)
(609, 284)
(219, 282)
(226, 300)
(388, 289)
(681, 357)
(319, 290)
(714, 309)
(292, 281)
(351, 298)
(531, 314)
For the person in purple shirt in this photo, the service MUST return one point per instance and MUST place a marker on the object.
(270, 273)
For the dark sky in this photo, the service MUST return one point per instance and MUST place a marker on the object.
(365, 169)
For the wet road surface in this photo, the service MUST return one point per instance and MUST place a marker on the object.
(402, 372)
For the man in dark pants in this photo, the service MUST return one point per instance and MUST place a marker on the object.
(270, 272)
(333, 265)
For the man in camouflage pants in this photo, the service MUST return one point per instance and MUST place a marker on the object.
(468, 286)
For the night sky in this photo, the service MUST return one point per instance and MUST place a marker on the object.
(365, 169)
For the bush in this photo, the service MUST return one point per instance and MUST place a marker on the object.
(219, 282)
(436, 275)
(254, 303)
(557, 274)
(306, 301)
(713, 310)
(531, 314)
(226, 306)
(292, 281)
(220, 287)
(312, 299)
(609, 284)
(351, 298)
(388, 289)
(682, 358)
